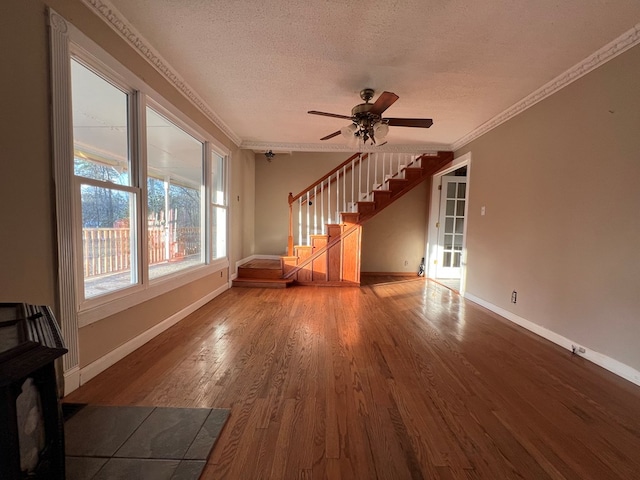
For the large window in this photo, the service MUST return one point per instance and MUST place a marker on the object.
(141, 185)
(108, 197)
(174, 203)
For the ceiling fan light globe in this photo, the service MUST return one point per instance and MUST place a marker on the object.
(348, 131)
(381, 130)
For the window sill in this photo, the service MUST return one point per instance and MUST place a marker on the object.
(139, 295)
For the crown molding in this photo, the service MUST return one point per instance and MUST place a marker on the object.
(611, 50)
(324, 147)
(112, 17)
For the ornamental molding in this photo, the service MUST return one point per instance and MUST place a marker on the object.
(321, 147)
(621, 44)
(57, 22)
(112, 17)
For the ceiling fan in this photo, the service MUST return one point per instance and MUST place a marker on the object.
(367, 122)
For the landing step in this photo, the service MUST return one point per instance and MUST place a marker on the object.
(262, 282)
(261, 268)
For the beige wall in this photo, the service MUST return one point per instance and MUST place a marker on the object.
(28, 253)
(562, 223)
(397, 234)
(242, 205)
(99, 338)
(27, 228)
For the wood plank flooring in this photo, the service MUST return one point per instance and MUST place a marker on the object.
(392, 380)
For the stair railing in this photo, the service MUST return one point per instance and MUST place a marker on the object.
(353, 181)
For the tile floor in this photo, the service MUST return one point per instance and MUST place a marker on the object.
(105, 442)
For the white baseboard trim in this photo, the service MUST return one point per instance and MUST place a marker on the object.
(608, 363)
(71, 380)
(100, 365)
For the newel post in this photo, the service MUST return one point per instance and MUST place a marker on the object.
(290, 239)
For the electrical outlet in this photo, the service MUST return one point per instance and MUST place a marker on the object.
(406, 263)
(578, 349)
(514, 296)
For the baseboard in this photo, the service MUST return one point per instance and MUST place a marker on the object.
(71, 380)
(100, 365)
(608, 363)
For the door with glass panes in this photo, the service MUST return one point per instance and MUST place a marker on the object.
(451, 226)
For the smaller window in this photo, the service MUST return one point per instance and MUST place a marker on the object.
(218, 206)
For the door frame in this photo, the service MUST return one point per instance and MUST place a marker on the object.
(431, 254)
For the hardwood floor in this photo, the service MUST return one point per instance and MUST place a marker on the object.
(393, 380)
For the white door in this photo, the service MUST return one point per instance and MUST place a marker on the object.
(453, 196)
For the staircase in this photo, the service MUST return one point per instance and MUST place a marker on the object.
(328, 217)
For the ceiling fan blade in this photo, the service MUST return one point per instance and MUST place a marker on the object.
(409, 122)
(384, 101)
(335, 115)
(331, 135)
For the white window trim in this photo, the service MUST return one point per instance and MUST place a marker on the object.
(68, 41)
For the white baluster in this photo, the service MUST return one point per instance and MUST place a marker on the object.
(300, 221)
(359, 176)
(353, 174)
(338, 196)
(329, 197)
(322, 222)
(315, 210)
(375, 174)
(344, 188)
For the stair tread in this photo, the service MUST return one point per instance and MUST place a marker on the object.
(262, 263)
(262, 282)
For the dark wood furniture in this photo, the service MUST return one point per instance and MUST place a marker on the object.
(31, 424)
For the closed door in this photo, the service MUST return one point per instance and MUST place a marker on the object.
(453, 199)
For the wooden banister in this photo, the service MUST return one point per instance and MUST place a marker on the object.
(293, 198)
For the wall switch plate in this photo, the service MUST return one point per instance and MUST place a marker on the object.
(483, 210)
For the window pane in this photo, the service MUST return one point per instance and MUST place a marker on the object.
(458, 242)
(448, 225)
(218, 232)
(460, 225)
(218, 180)
(100, 127)
(448, 242)
(451, 207)
(174, 205)
(107, 240)
(462, 190)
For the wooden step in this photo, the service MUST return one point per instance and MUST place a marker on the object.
(262, 282)
(302, 252)
(350, 217)
(261, 269)
(318, 241)
(396, 185)
(413, 173)
(334, 230)
(366, 207)
(381, 197)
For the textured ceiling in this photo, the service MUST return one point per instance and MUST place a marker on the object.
(261, 65)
